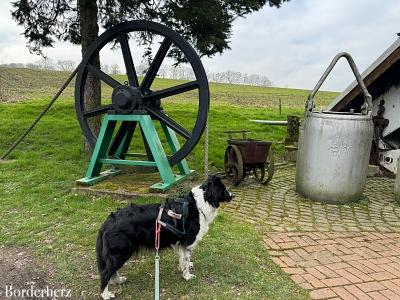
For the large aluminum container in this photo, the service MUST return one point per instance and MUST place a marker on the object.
(334, 148)
(397, 183)
(333, 156)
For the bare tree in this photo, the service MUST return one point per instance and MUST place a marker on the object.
(174, 71)
(141, 69)
(32, 66)
(163, 72)
(66, 65)
(45, 63)
(114, 69)
(105, 68)
(13, 65)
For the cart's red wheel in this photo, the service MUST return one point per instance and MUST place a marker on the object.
(233, 164)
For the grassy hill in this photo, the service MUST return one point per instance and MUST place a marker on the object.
(27, 91)
(27, 84)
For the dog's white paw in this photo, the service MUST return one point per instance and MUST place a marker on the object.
(188, 276)
(107, 295)
(122, 279)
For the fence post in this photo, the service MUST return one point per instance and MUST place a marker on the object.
(293, 124)
(280, 106)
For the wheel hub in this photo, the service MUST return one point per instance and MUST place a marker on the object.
(125, 99)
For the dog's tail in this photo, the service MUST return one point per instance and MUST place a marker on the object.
(103, 264)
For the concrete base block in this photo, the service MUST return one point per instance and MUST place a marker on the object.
(290, 153)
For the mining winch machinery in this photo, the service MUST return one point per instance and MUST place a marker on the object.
(136, 104)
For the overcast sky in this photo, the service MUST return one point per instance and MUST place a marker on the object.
(291, 45)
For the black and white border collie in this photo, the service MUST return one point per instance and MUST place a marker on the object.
(133, 227)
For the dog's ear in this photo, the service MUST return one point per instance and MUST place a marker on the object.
(212, 190)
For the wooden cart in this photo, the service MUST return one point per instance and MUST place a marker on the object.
(245, 156)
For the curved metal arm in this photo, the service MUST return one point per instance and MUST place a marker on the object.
(367, 97)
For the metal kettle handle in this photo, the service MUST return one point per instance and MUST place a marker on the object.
(367, 97)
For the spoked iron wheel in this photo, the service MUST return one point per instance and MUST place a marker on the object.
(233, 164)
(132, 97)
(264, 172)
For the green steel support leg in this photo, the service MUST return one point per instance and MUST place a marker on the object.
(93, 174)
(157, 150)
(146, 146)
(100, 153)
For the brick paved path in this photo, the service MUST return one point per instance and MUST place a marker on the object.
(336, 252)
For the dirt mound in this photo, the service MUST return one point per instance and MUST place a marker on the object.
(21, 277)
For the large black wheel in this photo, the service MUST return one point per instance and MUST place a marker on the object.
(133, 97)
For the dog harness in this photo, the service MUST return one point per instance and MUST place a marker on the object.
(175, 216)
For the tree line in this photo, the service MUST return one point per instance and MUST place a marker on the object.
(180, 72)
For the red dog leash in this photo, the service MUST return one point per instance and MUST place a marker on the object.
(157, 241)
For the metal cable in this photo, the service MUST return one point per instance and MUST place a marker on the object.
(44, 111)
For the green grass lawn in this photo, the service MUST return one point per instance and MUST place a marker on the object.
(38, 210)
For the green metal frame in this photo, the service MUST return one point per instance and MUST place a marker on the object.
(100, 152)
